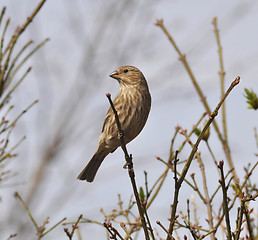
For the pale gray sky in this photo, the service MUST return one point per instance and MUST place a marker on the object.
(90, 39)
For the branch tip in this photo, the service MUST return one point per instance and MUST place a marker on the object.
(237, 80)
(159, 22)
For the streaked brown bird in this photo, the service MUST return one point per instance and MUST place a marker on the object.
(132, 103)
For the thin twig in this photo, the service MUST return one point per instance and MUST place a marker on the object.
(148, 220)
(160, 224)
(239, 221)
(9, 79)
(256, 136)
(239, 191)
(222, 78)
(160, 180)
(6, 78)
(13, 40)
(182, 57)
(14, 87)
(75, 225)
(19, 116)
(212, 155)
(171, 156)
(28, 211)
(207, 197)
(2, 14)
(205, 235)
(175, 170)
(225, 200)
(50, 229)
(126, 231)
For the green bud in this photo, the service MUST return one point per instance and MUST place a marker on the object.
(197, 131)
(141, 195)
(206, 135)
(252, 99)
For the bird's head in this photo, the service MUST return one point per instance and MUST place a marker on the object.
(128, 75)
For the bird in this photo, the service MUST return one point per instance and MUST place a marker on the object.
(133, 104)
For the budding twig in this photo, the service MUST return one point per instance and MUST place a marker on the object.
(161, 225)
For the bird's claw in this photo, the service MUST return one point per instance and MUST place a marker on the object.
(121, 134)
(125, 166)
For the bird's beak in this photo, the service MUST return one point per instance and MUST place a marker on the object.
(114, 75)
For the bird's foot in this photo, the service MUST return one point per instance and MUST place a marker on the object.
(125, 166)
(121, 134)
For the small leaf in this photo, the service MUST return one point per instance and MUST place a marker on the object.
(206, 135)
(141, 195)
(197, 131)
(252, 99)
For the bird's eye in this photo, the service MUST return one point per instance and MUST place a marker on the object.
(126, 70)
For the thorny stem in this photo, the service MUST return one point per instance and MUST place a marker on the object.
(130, 168)
(194, 149)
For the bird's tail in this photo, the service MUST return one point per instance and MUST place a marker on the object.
(89, 172)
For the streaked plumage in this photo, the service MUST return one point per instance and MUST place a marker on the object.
(132, 104)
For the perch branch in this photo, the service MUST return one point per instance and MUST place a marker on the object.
(130, 168)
